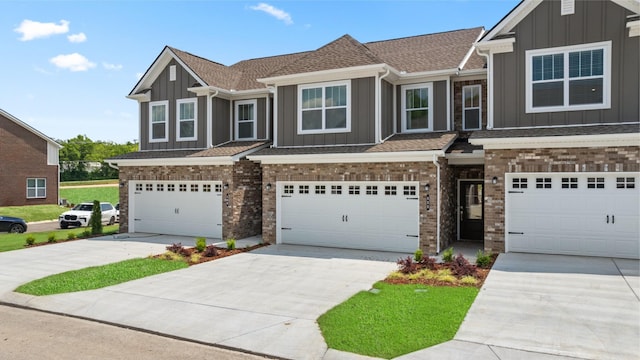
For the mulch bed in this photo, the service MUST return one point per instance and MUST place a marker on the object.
(221, 252)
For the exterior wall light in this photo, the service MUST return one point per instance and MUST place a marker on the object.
(494, 180)
(268, 187)
(426, 187)
(226, 186)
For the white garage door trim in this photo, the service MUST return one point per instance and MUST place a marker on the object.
(588, 214)
(351, 219)
(186, 208)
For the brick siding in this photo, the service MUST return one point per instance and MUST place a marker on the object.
(457, 104)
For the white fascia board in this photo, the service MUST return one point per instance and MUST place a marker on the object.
(634, 28)
(243, 154)
(192, 161)
(509, 22)
(555, 142)
(496, 46)
(30, 129)
(143, 97)
(471, 50)
(631, 5)
(206, 90)
(435, 75)
(325, 75)
(382, 157)
(158, 66)
(475, 158)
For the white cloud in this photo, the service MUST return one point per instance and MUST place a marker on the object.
(33, 29)
(111, 66)
(77, 38)
(275, 12)
(73, 62)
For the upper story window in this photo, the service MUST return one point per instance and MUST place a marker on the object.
(417, 107)
(158, 121)
(324, 108)
(246, 123)
(36, 188)
(472, 107)
(187, 115)
(569, 78)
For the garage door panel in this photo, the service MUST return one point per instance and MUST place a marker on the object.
(360, 215)
(573, 213)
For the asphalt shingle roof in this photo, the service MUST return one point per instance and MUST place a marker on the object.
(224, 150)
(557, 131)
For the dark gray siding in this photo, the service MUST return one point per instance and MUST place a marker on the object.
(362, 117)
(261, 110)
(439, 106)
(593, 21)
(387, 109)
(221, 121)
(163, 89)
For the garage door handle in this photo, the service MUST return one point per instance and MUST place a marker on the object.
(515, 233)
(613, 219)
(414, 236)
(515, 192)
(285, 228)
(286, 195)
(413, 198)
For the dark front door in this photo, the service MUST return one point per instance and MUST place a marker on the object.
(471, 210)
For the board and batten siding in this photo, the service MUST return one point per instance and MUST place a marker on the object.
(439, 106)
(221, 125)
(164, 89)
(544, 27)
(362, 118)
(261, 118)
(386, 112)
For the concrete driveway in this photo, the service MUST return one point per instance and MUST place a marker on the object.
(551, 307)
(265, 301)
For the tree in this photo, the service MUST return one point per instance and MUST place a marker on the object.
(78, 152)
(96, 218)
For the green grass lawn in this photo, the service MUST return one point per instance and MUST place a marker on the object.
(10, 242)
(88, 194)
(88, 182)
(398, 320)
(33, 212)
(99, 276)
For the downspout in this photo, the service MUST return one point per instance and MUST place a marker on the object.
(210, 119)
(111, 165)
(489, 57)
(379, 106)
(437, 164)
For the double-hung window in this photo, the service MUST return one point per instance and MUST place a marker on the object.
(324, 108)
(186, 119)
(472, 107)
(36, 188)
(158, 120)
(246, 120)
(569, 78)
(417, 107)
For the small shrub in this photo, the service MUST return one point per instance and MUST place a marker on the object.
(407, 265)
(96, 218)
(428, 262)
(71, 236)
(443, 273)
(461, 266)
(86, 233)
(483, 259)
(417, 256)
(396, 275)
(468, 280)
(195, 258)
(447, 255)
(210, 251)
(201, 244)
(30, 240)
(231, 244)
(170, 255)
(176, 248)
(51, 238)
(448, 278)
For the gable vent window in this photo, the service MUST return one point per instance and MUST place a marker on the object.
(625, 183)
(543, 183)
(172, 73)
(320, 189)
(595, 183)
(519, 183)
(336, 189)
(569, 183)
(354, 190)
(567, 7)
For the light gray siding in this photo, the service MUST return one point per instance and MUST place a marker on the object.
(387, 109)
(544, 27)
(164, 89)
(362, 118)
(221, 120)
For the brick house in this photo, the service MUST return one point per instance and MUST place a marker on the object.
(401, 144)
(29, 170)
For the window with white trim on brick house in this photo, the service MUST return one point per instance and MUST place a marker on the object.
(472, 107)
(36, 188)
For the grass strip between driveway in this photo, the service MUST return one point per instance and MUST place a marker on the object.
(10, 242)
(97, 277)
(397, 320)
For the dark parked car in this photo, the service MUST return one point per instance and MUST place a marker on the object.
(12, 224)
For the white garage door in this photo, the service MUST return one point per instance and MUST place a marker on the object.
(189, 208)
(591, 214)
(359, 215)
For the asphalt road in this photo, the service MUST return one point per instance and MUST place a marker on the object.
(43, 226)
(30, 334)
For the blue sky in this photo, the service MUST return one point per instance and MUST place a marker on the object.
(68, 65)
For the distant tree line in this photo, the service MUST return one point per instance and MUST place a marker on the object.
(83, 159)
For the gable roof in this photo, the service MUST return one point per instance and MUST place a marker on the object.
(29, 128)
(520, 11)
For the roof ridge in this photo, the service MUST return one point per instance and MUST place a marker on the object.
(421, 35)
(197, 56)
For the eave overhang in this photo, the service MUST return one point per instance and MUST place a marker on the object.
(549, 142)
(406, 156)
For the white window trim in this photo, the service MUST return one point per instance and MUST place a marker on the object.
(195, 119)
(403, 90)
(565, 50)
(255, 119)
(324, 85)
(464, 122)
(36, 188)
(166, 121)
